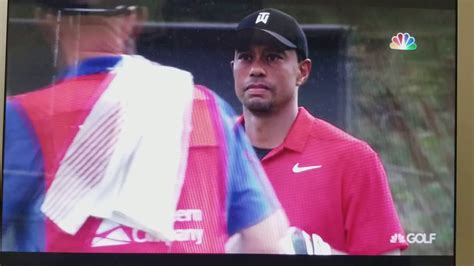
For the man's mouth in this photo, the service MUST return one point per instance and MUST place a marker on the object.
(257, 87)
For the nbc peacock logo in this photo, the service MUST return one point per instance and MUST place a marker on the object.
(403, 41)
(397, 238)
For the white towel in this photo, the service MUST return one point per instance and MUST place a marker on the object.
(142, 124)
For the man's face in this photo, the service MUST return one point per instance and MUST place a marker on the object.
(266, 78)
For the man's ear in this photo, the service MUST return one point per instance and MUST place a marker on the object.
(304, 67)
(140, 15)
(232, 64)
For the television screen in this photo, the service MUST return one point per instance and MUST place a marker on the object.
(302, 128)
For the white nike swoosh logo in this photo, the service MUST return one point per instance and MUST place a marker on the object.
(298, 169)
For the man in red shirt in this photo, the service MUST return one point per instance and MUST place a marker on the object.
(332, 185)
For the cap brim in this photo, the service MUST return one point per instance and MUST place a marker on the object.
(244, 38)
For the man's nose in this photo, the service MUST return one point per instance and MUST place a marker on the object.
(257, 69)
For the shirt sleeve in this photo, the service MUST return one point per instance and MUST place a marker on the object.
(371, 219)
(251, 198)
(23, 185)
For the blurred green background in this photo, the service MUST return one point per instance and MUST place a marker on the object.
(403, 104)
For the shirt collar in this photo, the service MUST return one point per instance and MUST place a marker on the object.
(91, 66)
(300, 131)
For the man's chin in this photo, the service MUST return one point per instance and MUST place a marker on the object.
(259, 108)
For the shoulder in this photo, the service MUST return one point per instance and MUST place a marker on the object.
(176, 75)
(204, 94)
(323, 131)
(67, 95)
(64, 88)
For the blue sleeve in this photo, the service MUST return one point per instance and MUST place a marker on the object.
(251, 198)
(23, 184)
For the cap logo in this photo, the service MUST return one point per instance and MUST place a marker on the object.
(262, 17)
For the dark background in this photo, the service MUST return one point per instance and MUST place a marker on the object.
(201, 49)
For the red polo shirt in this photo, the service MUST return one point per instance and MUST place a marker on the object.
(334, 185)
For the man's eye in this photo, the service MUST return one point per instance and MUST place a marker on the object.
(273, 57)
(244, 57)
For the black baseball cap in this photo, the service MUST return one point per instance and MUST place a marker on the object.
(89, 7)
(270, 25)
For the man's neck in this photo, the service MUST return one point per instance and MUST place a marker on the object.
(269, 131)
